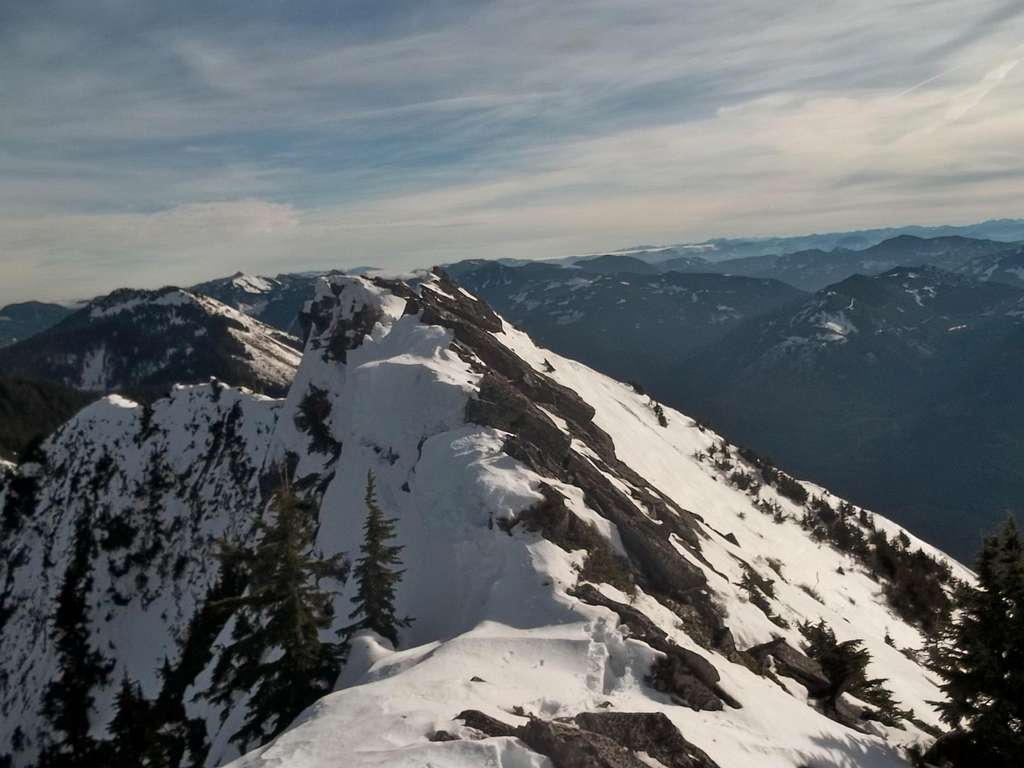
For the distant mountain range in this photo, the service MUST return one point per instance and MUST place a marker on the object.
(814, 269)
(722, 248)
(811, 269)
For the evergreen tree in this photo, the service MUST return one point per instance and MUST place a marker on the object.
(68, 700)
(375, 573)
(276, 654)
(979, 655)
(130, 727)
(845, 665)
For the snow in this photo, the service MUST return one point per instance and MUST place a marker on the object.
(538, 649)
(487, 604)
(270, 355)
(252, 283)
(94, 370)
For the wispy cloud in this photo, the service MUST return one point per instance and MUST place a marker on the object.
(165, 143)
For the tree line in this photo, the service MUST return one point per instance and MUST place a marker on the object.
(283, 653)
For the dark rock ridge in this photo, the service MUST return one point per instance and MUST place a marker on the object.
(649, 732)
(599, 739)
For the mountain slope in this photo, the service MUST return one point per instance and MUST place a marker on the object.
(873, 386)
(275, 301)
(30, 410)
(1000, 267)
(19, 321)
(146, 341)
(566, 556)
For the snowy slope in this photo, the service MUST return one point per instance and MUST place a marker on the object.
(275, 301)
(489, 451)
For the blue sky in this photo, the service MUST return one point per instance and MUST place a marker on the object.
(145, 143)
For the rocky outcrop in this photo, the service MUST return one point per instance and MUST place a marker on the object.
(689, 678)
(649, 732)
(790, 662)
(569, 747)
(485, 724)
(598, 739)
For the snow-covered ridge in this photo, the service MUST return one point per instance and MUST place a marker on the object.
(504, 465)
(148, 340)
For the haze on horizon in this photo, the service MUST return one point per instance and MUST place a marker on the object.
(147, 143)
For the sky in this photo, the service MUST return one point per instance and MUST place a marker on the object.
(146, 143)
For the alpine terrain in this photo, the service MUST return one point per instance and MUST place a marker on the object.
(274, 301)
(147, 341)
(580, 576)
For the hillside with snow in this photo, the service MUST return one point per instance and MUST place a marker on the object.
(589, 573)
(274, 301)
(146, 341)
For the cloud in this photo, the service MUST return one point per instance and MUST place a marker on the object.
(148, 144)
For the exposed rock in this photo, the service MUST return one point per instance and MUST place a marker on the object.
(569, 747)
(792, 663)
(486, 724)
(690, 678)
(557, 524)
(342, 331)
(650, 732)
(539, 443)
(442, 736)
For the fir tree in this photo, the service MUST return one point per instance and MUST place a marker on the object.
(979, 655)
(68, 700)
(276, 654)
(375, 573)
(130, 727)
(845, 665)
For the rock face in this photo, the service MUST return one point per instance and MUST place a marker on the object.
(790, 662)
(560, 542)
(569, 747)
(599, 739)
(649, 732)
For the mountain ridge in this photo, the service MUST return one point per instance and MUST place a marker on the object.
(512, 473)
(145, 341)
